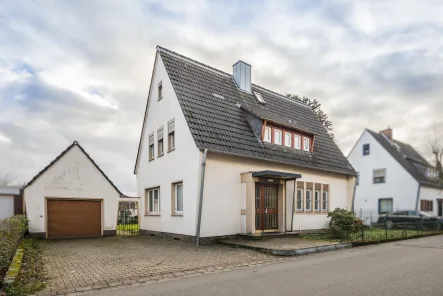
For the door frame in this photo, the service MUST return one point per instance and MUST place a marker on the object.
(101, 200)
(262, 184)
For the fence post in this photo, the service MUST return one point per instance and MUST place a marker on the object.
(362, 234)
(386, 230)
(341, 234)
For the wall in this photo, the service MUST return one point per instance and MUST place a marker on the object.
(182, 164)
(72, 176)
(400, 185)
(6, 206)
(429, 193)
(224, 191)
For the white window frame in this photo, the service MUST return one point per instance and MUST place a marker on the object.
(317, 201)
(308, 201)
(297, 141)
(267, 134)
(290, 139)
(306, 147)
(160, 91)
(176, 198)
(376, 174)
(302, 199)
(325, 200)
(150, 211)
(278, 131)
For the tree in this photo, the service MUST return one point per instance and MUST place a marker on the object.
(6, 179)
(316, 107)
(435, 146)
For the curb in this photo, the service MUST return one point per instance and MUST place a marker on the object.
(14, 268)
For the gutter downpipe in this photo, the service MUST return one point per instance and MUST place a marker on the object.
(200, 205)
(353, 194)
(418, 196)
(293, 207)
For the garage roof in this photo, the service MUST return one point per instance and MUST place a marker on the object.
(10, 190)
(75, 143)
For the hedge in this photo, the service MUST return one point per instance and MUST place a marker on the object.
(12, 231)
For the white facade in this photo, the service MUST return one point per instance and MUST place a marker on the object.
(73, 176)
(179, 165)
(399, 184)
(6, 206)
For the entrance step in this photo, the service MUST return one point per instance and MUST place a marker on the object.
(267, 235)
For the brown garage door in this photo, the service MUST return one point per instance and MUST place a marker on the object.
(74, 218)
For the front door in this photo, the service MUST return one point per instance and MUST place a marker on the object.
(266, 207)
(440, 207)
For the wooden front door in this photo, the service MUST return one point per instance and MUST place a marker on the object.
(266, 207)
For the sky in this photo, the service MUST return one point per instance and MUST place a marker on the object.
(80, 70)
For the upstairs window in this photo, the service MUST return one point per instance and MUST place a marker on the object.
(160, 141)
(151, 146)
(171, 135)
(379, 176)
(306, 144)
(160, 91)
(297, 141)
(267, 135)
(366, 149)
(277, 137)
(288, 139)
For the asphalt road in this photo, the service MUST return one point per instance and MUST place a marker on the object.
(413, 267)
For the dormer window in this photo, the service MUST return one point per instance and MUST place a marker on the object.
(277, 137)
(259, 98)
(267, 135)
(306, 144)
(297, 141)
(286, 137)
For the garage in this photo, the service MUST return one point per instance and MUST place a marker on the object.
(6, 206)
(71, 198)
(74, 218)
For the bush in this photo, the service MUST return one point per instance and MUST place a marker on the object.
(344, 221)
(12, 231)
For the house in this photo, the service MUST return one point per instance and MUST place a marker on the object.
(71, 197)
(11, 201)
(393, 176)
(219, 155)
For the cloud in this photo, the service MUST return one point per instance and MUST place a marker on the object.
(81, 70)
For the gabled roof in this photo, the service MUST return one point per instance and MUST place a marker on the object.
(214, 108)
(75, 143)
(406, 156)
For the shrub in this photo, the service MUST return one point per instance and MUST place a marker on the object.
(11, 233)
(344, 221)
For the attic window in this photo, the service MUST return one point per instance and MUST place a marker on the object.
(259, 98)
(218, 96)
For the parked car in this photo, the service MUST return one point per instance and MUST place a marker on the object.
(412, 219)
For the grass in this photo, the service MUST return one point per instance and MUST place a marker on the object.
(31, 278)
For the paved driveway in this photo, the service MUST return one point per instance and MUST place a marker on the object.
(114, 260)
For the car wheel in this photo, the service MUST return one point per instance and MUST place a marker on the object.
(389, 224)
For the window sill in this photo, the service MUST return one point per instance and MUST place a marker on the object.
(177, 215)
(160, 98)
(160, 155)
(153, 214)
(151, 159)
(171, 150)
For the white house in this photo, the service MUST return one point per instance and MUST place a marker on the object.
(11, 201)
(220, 156)
(71, 197)
(393, 176)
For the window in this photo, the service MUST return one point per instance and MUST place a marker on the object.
(297, 142)
(267, 135)
(317, 201)
(151, 147)
(288, 139)
(385, 205)
(379, 176)
(306, 144)
(299, 199)
(426, 205)
(277, 137)
(160, 91)
(325, 201)
(160, 141)
(366, 149)
(309, 200)
(177, 198)
(259, 98)
(171, 135)
(153, 201)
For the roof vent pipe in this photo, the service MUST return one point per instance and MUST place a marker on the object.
(242, 75)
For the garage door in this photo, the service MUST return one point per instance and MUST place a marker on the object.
(6, 206)
(74, 218)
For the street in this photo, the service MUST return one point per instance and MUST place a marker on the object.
(412, 267)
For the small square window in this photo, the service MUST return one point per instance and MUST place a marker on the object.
(385, 205)
(288, 139)
(277, 137)
(160, 91)
(297, 142)
(267, 135)
(379, 176)
(366, 149)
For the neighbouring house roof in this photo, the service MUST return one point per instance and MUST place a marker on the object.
(408, 158)
(75, 143)
(218, 115)
(10, 190)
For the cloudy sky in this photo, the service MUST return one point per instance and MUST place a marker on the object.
(80, 70)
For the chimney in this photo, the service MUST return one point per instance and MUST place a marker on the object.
(242, 75)
(387, 132)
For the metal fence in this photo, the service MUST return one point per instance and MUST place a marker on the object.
(380, 232)
(127, 221)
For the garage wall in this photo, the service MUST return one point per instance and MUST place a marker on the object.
(72, 176)
(6, 206)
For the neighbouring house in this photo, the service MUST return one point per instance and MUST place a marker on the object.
(71, 197)
(11, 201)
(220, 156)
(393, 176)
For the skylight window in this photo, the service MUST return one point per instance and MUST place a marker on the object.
(218, 96)
(259, 98)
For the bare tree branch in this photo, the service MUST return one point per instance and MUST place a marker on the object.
(435, 146)
(6, 179)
